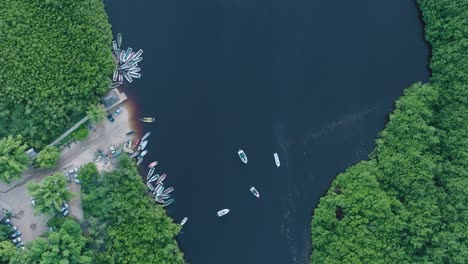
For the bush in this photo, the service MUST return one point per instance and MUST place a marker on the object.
(48, 157)
(81, 134)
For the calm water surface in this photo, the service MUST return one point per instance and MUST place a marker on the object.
(310, 79)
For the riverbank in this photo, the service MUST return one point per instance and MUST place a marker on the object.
(14, 196)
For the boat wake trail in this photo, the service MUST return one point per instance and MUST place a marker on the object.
(283, 142)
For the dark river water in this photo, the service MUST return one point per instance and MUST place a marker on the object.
(313, 80)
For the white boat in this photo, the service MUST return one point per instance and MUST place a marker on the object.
(150, 173)
(127, 77)
(142, 154)
(222, 212)
(184, 221)
(161, 179)
(122, 55)
(158, 189)
(150, 186)
(277, 161)
(136, 60)
(254, 192)
(146, 136)
(114, 45)
(152, 179)
(127, 54)
(142, 145)
(134, 75)
(168, 202)
(153, 164)
(242, 156)
(120, 77)
(168, 190)
(134, 154)
(140, 160)
(138, 54)
(134, 69)
(159, 200)
(164, 196)
(119, 39)
(116, 74)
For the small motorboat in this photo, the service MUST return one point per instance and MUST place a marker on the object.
(150, 186)
(148, 119)
(161, 179)
(159, 200)
(277, 161)
(146, 136)
(168, 202)
(158, 189)
(168, 190)
(184, 221)
(242, 156)
(142, 145)
(153, 164)
(164, 196)
(142, 154)
(150, 173)
(222, 212)
(140, 160)
(119, 39)
(134, 154)
(254, 192)
(154, 178)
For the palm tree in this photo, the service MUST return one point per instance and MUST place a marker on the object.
(96, 113)
(50, 194)
(13, 158)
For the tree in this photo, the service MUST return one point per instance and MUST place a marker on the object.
(67, 245)
(118, 220)
(96, 113)
(13, 158)
(50, 194)
(7, 250)
(48, 157)
(81, 134)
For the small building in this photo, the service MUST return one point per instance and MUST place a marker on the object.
(113, 98)
(31, 153)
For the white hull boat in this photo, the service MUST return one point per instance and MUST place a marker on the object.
(223, 212)
(184, 221)
(254, 192)
(242, 156)
(277, 161)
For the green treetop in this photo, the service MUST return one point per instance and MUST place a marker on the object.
(49, 194)
(13, 159)
(48, 157)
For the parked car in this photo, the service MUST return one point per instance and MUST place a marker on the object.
(13, 229)
(111, 118)
(16, 240)
(20, 245)
(112, 149)
(5, 221)
(77, 180)
(15, 234)
(118, 111)
(65, 213)
(64, 207)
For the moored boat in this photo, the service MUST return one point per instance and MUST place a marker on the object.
(142, 145)
(254, 192)
(116, 74)
(134, 74)
(158, 189)
(127, 77)
(242, 156)
(161, 179)
(140, 160)
(277, 161)
(223, 212)
(119, 39)
(184, 221)
(114, 46)
(150, 173)
(168, 202)
(146, 136)
(134, 154)
(142, 154)
(153, 178)
(159, 200)
(153, 164)
(148, 119)
(168, 190)
(164, 196)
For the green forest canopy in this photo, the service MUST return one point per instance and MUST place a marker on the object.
(407, 204)
(124, 224)
(56, 61)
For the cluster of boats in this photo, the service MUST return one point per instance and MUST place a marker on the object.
(253, 190)
(153, 181)
(127, 63)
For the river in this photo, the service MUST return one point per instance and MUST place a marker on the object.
(312, 80)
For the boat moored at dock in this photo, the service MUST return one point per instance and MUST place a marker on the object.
(153, 164)
(148, 119)
(168, 202)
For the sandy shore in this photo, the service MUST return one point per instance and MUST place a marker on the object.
(15, 198)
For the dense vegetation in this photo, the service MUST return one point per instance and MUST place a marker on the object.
(66, 245)
(50, 194)
(407, 204)
(13, 159)
(56, 62)
(7, 249)
(125, 225)
(48, 157)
